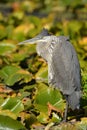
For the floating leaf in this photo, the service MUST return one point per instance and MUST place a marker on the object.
(18, 14)
(43, 118)
(35, 20)
(13, 74)
(55, 117)
(8, 113)
(18, 57)
(47, 95)
(74, 26)
(42, 74)
(6, 48)
(10, 124)
(65, 126)
(2, 32)
(24, 52)
(13, 104)
(83, 41)
(24, 28)
(18, 36)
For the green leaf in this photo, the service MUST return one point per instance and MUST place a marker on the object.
(8, 113)
(18, 36)
(3, 32)
(42, 74)
(19, 15)
(47, 95)
(43, 118)
(6, 48)
(17, 57)
(83, 124)
(74, 27)
(13, 104)
(24, 52)
(55, 117)
(12, 74)
(7, 123)
(35, 20)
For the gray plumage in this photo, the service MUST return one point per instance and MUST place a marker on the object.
(63, 65)
(65, 71)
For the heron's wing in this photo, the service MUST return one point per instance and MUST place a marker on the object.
(64, 70)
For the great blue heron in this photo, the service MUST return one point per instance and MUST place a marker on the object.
(63, 66)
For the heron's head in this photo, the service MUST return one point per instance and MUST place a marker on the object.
(43, 41)
(44, 36)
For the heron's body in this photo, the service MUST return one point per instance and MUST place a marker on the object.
(65, 71)
(63, 65)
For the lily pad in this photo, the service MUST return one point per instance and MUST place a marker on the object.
(47, 95)
(42, 74)
(13, 104)
(12, 74)
(6, 48)
(7, 123)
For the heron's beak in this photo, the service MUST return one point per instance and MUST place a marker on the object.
(32, 41)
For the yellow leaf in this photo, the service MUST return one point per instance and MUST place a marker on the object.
(84, 119)
(83, 41)
(24, 28)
